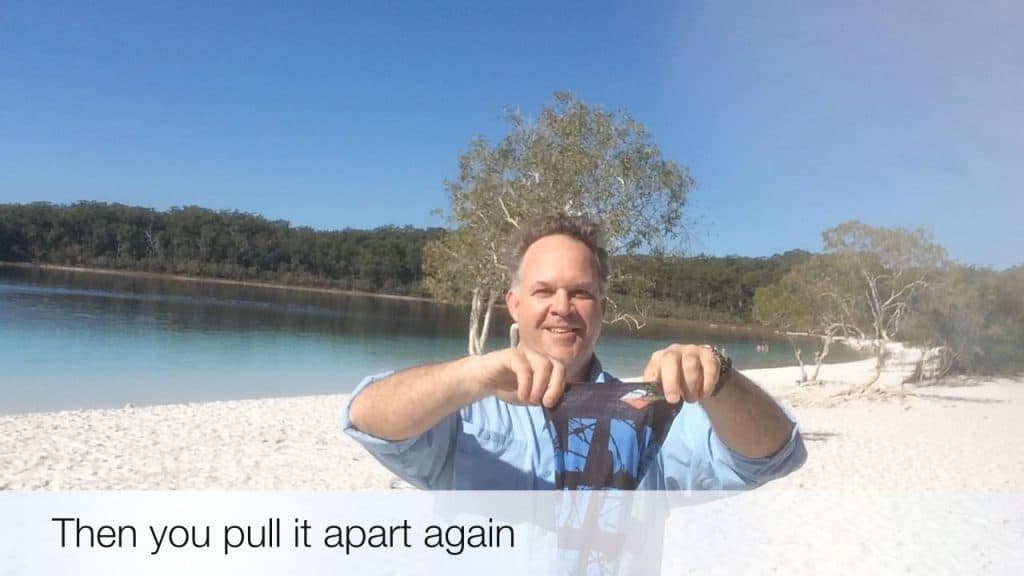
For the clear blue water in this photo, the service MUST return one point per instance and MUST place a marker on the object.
(80, 340)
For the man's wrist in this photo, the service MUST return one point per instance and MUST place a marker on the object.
(467, 377)
(725, 370)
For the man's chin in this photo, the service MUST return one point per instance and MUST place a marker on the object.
(562, 350)
(565, 357)
(568, 355)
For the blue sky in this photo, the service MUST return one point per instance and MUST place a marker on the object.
(791, 116)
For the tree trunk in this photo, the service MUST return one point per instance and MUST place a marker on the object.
(882, 353)
(800, 361)
(922, 376)
(819, 358)
(946, 361)
(474, 321)
(480, 327)
(485, 330)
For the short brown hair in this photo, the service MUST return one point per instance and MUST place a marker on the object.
(578, 228)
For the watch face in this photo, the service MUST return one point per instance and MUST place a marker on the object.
(724, 362)
(724, 368)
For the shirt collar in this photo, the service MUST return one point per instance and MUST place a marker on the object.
(597, 373)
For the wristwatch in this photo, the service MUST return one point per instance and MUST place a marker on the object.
(724, 369)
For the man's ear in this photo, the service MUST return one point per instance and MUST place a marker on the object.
(512, 301)
(604, 307)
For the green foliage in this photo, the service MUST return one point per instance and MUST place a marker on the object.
(780, 306)
(819, 296)
(198, 241)
(879, 282)
(719, 289)
(891, 249)
(893, 268)
(976, 316)
(575, 159)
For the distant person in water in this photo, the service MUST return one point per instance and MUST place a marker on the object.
(544, 414)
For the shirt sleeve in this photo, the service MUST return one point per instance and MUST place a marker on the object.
(424, 461)
(695, 458)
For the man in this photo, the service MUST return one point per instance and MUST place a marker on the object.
(480, 423)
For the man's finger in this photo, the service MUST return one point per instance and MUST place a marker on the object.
(541, 375)
(652, 372)
(693, 377)
(524, 376)
(556, 384)
(671, 382)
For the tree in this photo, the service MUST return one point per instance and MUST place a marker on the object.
(895, 266)
(866, 285)
(949, 323)
(971, 321)
(818, 298)
(576, 159)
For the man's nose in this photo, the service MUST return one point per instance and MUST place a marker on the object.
(562, 304)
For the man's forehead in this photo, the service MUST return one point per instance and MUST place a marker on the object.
(554, 259)
(557, 245)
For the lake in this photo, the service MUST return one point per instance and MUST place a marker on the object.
(73, 340)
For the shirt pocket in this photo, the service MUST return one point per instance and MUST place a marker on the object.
(489, 460)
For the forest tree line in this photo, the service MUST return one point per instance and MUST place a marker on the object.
(223, 244)
(241, 246)
(975, 315)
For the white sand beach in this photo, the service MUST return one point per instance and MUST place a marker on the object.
(929, 481)
(940, 437)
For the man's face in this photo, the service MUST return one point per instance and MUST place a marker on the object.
(558, 302)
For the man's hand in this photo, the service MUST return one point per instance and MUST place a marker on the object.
(522, 376)
(686, 372)
(410, 402)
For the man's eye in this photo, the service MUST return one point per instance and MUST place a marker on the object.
(582, 294)
(543, 292)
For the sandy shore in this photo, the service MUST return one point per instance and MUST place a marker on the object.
(949, 437)
(213, 280)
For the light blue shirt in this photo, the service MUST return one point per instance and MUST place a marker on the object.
(493, 445)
